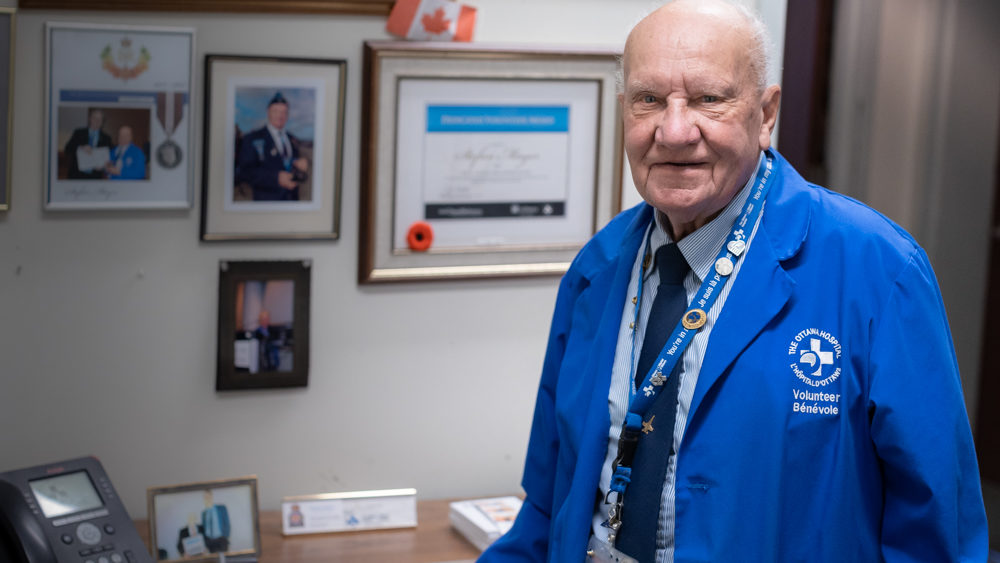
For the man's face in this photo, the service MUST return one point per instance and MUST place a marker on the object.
(695, 120)
(124, 135)
(95, 119)
(277, 115)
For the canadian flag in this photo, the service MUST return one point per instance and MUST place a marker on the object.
(432, 20)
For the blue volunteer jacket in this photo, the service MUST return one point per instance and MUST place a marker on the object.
(828, 422)
(133, 163)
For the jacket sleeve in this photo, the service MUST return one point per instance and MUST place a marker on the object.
(528, 539)
(933, 507)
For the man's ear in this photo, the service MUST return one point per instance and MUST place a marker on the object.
(770, 100)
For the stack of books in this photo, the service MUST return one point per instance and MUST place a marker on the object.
(482, 521)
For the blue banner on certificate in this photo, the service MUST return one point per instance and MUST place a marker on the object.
(505, 161)
(496, 164)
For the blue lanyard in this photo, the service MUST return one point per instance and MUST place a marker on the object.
(689, 325)
(696, 314)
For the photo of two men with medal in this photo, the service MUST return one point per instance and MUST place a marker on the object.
(118, 117)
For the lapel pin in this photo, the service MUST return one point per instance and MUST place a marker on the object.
(694, 319)
(736, 247)
(647, 425)
(724, 266)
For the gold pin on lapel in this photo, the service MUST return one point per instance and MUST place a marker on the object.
(647, 425)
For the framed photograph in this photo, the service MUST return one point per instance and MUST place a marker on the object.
(201, 521)
(483, 162)
(7, 17)
(370, 7)
(118, 117)
(274, 135)
(263, 325)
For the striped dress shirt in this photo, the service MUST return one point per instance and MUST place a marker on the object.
(700, 249)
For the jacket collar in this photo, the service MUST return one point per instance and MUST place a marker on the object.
(787, 213)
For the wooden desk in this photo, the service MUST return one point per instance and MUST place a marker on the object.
(433, 540)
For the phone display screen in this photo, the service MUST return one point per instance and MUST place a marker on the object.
(65, 494)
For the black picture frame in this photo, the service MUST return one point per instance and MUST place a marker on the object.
(252, 358)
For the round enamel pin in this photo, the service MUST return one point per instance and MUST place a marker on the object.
(694, 319)
(724, 266)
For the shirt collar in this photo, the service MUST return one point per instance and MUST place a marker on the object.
(701, 247)
(275, 132)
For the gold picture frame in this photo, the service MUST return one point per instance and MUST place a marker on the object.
(484, 161)
(370, 7)
(8, 22)
(199, 521)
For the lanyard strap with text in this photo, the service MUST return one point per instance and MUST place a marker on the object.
(691, 321)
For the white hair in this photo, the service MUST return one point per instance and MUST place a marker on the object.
(760, 55)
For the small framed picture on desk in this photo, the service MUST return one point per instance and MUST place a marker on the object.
(200, 521)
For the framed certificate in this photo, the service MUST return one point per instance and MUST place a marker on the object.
(484, 162)
(118, 117)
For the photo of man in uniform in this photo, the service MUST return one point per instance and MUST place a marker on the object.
(272, 164)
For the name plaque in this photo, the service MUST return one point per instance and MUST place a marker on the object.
(349, 511)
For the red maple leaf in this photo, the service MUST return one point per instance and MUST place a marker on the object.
(437, 23)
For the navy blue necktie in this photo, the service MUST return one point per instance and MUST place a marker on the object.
(641, 507)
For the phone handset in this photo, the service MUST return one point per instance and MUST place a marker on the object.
(20, 531)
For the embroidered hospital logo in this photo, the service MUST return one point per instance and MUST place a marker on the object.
(815, 357)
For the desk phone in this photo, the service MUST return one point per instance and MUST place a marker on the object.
(65, 512)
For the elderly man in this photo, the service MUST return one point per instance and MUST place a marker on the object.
(745, 367)
(269, 158)
(128, 162)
